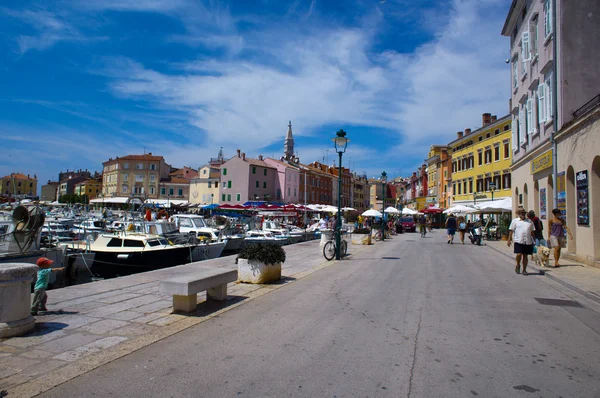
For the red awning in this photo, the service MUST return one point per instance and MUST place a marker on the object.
(432, 209)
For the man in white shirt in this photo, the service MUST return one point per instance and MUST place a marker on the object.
(523, 232)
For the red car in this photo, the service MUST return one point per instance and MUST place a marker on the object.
(408, 224)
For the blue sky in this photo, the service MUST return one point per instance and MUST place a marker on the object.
(82, 81)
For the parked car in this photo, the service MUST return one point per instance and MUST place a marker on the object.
(408, 224)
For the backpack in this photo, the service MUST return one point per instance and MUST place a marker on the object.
(462, 225)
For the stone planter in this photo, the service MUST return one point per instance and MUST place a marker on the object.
(15, 298)
(361, 239)
(257, 272)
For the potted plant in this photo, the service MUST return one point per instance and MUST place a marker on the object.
(260, 263)
(361, 236)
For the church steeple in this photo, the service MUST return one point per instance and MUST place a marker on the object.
(288, 145)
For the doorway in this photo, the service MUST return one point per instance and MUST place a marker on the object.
(571, 205)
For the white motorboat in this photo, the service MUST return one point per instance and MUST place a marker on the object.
(256, 236)
(196, 225)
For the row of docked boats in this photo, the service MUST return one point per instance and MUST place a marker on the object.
(90, 246)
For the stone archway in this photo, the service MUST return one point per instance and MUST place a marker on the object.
(536, 197)
(525, 197)
(571, 205)
(594, 197)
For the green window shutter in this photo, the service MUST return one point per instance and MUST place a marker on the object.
(264, 184)
(265, 171)
(229, 197)
(224, 172)
(229, 184)
(253, 170)
(223, 198)
(238, 197)
(257, 184)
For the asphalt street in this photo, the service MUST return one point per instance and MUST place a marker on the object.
(409, 317)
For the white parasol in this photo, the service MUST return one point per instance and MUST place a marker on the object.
(392, 210)
(409, 212)
(372, 213)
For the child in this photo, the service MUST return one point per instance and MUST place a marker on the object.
(43, 276)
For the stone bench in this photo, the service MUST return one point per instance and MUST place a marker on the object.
(186, 287)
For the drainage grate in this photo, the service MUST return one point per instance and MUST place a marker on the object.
(557, 302)
(390, 258)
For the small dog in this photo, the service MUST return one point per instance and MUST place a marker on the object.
(542, 257)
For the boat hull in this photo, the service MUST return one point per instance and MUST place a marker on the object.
(110, 264)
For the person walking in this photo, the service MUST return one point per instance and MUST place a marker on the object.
(451, 228)
(422, 225)
(522, 230)
(556, 234)
(462, 228)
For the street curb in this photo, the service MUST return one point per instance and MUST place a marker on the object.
(62, 375)
(554, 278)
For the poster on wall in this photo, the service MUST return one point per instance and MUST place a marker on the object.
(543, 203)
(561, 193)
(582, 198)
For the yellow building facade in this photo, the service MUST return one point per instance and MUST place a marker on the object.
(18, 185)
(481, 162)
(92, 188)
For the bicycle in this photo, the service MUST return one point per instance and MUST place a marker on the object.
(423, 230)
(330, 249)
(377, 235)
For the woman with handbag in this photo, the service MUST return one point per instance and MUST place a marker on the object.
(556, 234)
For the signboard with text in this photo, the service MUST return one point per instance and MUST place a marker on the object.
(583, 217)
(543, 203)
(542, 162)
(561, 193)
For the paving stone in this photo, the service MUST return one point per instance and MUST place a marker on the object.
(125, 305)
(14, 365)
(4, 354)
(45, 366)
(156, 306)
(148, 318)
(141, 286)
(8, 349)
(29, 341)
(167, 320)
(36, 354)
(134, 330)
(104, 326)
(120, 297)
(91, 348)
(75, 321)
(69, 342)
(13, 380)
(125, 315)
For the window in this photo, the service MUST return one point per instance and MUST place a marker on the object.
(497, 131)
(515, 133)
(163, 191)
(465, 187)
(533, 36)
(264, 184)
(253, 170)
(506, 182)
(507, 127)
(547, 18)
(204, 172)
(525, 53)
(521, 131)
(124, 189)
(229, 184)
(459, 188)
(487, 135)
(125, 177)
(445, 173)
(139, 166)
(454, 188)
(224, 172)
(238, 197)
(229, 197)
(180, 192)
(171, 191)
(209, 184)
(265, 171)
(515, 74)
(497, 152)
(216, 184)
(470, 186)
(257, 184)
(125, 165)
(506, 150)
(115, 242)
(133, 243)
(223, 197)
(152, 178)
(152, 190)
(529, 111)
(139, 178)
(152, 166)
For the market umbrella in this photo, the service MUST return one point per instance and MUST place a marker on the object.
(392, 210)
(409, 212)
(372, 213)
(459, 209)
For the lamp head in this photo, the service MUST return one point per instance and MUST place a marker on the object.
(340, 141)
(384, 177)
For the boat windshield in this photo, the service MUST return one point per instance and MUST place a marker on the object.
(199, 222)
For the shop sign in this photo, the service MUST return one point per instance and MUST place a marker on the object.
(583, 217)
(543, 203)
(542, 162)
(561, 193)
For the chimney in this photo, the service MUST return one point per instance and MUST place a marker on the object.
(459, 135)
(486, 119)
(243, 156)
(494, 118)
(238, 153)
(260, 157)
(149, 153)
(467, 131)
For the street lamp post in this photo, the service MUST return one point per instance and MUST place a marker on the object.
(212, 197)
(383, 185)
(474, 198)
(341, 143)
(492, 186)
